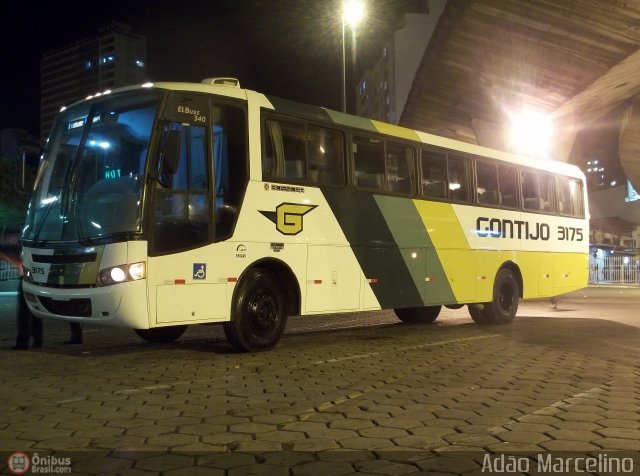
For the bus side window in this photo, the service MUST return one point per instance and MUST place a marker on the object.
(399, 168)
(368, 160)
(531, 200)
(547, 194)
(434, 174)
(487, 179)
(508, 185)
(294, 148)
(459, 178)
(570, 197)
(273, 151)
(285, 150)
(325, 153)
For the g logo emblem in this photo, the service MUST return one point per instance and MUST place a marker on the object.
(288, 217)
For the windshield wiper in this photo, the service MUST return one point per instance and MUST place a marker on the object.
(49, 207)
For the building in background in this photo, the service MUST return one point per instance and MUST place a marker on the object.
(19, 156)
(113, 58)
(382, 92)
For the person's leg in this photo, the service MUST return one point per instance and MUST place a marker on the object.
(36, 332)
(76, 333)
(23, 324)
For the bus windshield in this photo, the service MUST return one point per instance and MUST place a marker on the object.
(91, 177)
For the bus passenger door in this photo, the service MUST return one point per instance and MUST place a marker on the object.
(182, 267)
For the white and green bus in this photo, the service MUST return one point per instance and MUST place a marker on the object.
(165, 205)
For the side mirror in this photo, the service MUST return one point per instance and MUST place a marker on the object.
(170, 153)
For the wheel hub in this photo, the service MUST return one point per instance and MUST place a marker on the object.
(263, 310)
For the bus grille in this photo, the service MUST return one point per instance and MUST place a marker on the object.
(72, 307)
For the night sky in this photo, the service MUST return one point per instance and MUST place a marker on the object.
(288, 48)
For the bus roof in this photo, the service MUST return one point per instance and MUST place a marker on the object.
(324, 115)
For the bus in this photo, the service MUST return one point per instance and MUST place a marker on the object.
(165, 205)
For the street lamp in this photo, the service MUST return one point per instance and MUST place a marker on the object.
(531, 133)
(352, 14)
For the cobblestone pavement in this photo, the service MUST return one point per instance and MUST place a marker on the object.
(341, 394)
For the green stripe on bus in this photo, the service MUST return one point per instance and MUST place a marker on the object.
(375, 247)
(351, 121)
(417, 250)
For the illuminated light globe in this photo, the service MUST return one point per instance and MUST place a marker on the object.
(352, 12)
(531, 133)
(118, 275)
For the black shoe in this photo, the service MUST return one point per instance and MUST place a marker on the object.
(20, 347)
(73, 342)
(37, 344)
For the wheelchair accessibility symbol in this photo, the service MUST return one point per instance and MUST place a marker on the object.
(199, 270)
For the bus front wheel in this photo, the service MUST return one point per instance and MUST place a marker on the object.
(159, 335)
(418, 315)
(259, 313)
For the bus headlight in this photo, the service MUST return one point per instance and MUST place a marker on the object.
(122, 273)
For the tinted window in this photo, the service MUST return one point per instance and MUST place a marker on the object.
(570, 197)
(531, 200)
(399, 165)
(508, 180)
(487, 183)
(295, 150)
(547, 193)
(368, 162)
(434, 174)
(325, 152)
(459, 178)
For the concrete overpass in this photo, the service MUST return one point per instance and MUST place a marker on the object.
(575, 60)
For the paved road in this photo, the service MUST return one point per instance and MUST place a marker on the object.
(340, 394)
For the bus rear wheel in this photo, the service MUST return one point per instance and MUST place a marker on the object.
(418, 315)
(259, 313)
(476, 311)
(160, 335)
(506, 295)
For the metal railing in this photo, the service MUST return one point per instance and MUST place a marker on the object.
(614, 270)
(8, 271)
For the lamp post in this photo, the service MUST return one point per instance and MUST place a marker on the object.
(352, 14)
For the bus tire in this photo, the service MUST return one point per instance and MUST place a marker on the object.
(476, 311)
(506, 294)
(418, 315)
(160, 335)
(258, 315)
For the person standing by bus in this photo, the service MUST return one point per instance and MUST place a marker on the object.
(28, 325)
(76, 334)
